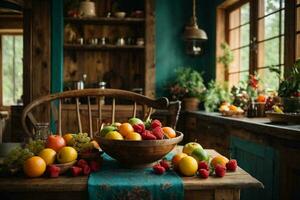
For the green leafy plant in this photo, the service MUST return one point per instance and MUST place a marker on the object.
(227, 56)
(289, 87)
(188, 83)
(216, 94)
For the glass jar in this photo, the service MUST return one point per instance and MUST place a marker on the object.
(42, 131)
(102, 85)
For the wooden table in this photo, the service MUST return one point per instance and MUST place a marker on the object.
(75, 188)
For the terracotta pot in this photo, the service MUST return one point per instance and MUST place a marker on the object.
(191, 104)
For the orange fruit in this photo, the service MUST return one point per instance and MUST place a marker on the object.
(48, 155)
(233, 108)
(261, 98)
(125, 129)
(68, 137)
(176, 158)
(188, 166)
(169, 132)
(133, 136)
(34, 166)
(222, 160)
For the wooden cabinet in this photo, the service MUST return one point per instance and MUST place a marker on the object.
(126, 66)
(261, 162)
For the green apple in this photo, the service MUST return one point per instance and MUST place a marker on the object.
(189, 147)
(135, 120)
(66, 154)
(200, 154)
(107, 129)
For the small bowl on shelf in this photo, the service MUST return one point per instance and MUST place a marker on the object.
(138, 154)
(120, 14)
(64, 167)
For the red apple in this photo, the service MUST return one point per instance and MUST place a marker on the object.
(55, 142)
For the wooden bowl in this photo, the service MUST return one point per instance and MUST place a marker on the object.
(138, 153)
(64, 167)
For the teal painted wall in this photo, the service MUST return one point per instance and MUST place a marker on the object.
(171, 17)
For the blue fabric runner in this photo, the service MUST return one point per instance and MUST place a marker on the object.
(115, 182)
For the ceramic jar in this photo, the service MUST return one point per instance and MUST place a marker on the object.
(87, 9)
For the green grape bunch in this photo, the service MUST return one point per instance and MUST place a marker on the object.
(16, 157)
(35, 146)
(81, 142)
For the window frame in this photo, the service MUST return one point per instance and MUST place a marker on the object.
(13, 32)
(222, 34)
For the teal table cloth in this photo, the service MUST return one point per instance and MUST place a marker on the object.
(115, 182)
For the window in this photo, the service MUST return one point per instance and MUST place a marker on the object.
(255, 34)
(270, 42)
(12, 69)
(239, 43)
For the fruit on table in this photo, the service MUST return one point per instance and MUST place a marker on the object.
(81, 142)
(139, 128)
(231, 165)
(221, 160)
(94, 165)
(48, 155)
(66, 154)
(176, 159)
(203, 165)
(107, 129)
(220, 170)
(76, 171)
(113, 135)
(95, 144)
(158, 132)
(155, 123)
(158, 169)
(203, 173)
(169, 132)
(116, 124)
(190, 147)
(261, 98)
(164, 163)
(68, 138)
(16, 158)
(34, 166)
(55, 142)
(35, 146)
(125, 129)
(277, 109)
(86, 170)
(134, 121)
(188, 166)
(81, 163)
(52, 171)
(133, 136)
(147, 135)
(200, 154)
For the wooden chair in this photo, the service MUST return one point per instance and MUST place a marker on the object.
(56, 100)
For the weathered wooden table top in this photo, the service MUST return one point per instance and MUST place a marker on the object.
(234, 180)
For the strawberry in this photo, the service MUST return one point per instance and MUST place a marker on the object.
(147, 135)
(95, 166)
(203, 173)
(203, 165)
(139, 128)
(81, 163)
(158, 169)
(158, 132)
(76, 171)
(86, 170)
(155, 123)
(231, 165)
(220, 170)
(165, 164)
(52, 171)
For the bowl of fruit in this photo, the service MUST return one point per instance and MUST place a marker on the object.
(136, 143)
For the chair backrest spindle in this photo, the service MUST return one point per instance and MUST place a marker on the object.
(78, 115)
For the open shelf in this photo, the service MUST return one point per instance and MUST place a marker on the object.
(101, 47)
(105, 20)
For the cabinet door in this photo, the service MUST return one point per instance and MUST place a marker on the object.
(262, 163)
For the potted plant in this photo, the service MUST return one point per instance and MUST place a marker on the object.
(289, 89)
(216, 94)
(188, 86)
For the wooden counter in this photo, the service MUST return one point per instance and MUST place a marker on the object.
(227, 187)
(270, 152)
